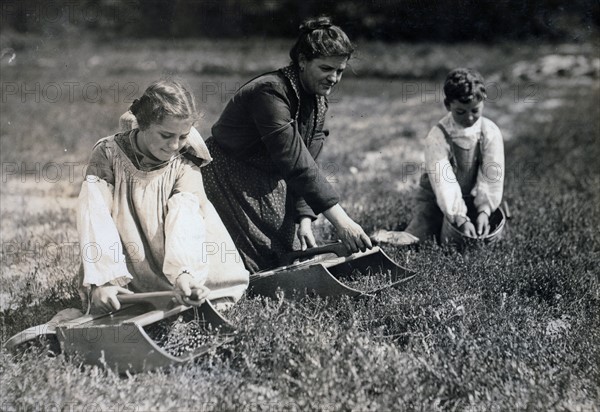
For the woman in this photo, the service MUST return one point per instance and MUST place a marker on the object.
(264, 178)
(144, 221)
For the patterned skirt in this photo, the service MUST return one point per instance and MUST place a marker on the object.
(255, 207)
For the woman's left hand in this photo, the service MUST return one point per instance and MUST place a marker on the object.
(305, 233)
(188, 285)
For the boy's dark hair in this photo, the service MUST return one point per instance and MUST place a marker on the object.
(464, 85)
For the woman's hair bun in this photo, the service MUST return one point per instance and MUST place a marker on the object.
(320, 38)
(315, 23)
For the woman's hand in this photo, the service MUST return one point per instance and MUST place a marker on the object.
(349, 232)
(468, 229)
(104, 298)
(305, 233)
(191, 287)
(483, 224)
(353, 236)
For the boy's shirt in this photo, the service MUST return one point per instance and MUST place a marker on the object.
(488, 188)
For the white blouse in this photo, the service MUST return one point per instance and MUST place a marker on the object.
(489, 185)
(143, 228)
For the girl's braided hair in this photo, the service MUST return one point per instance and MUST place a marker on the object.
(163, 98)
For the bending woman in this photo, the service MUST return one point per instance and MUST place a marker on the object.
(264, 178)
(144, 221)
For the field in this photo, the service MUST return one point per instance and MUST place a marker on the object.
(514, 326)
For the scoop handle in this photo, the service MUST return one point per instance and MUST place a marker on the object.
(163, 298)
(337, 248)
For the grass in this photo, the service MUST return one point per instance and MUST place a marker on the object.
(513, 326)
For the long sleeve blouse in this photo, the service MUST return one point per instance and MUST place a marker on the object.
(489, 183)
(143, 224)
(273, 125)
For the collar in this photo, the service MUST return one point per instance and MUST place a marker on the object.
(291, 73)
(456, 130)
(195, 148)
(142, 160)
(195, 145)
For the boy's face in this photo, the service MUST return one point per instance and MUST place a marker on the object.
(465, 114)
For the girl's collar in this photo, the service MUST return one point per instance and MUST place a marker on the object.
(142, 160)
(195, 148)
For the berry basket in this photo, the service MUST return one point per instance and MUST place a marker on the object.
(343, 274)
(147, 333)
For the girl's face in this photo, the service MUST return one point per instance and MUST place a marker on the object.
(465, 114)
(163, 140)
(319, 75)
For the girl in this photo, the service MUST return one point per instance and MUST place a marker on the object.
(144, 221)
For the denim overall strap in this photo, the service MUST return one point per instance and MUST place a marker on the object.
(465, 162)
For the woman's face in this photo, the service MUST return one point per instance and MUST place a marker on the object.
(163, 140)
(318, 76)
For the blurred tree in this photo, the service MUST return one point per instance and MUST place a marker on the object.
(388, 20)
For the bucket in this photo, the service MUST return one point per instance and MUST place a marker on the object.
(451, 234)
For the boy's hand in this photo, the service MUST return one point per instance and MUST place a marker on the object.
(468, 229)
(483, 224)
(104, 298)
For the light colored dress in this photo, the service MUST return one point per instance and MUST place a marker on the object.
(142, 223)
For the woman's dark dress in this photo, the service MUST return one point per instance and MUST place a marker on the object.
(264, 177)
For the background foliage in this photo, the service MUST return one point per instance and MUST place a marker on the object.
(406, 20)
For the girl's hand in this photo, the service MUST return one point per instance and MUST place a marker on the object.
(191, 287)
(305, 233)
(468, 229)
(104, 298)
(483, 224)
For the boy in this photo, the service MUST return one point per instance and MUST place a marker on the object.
(464, 164)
